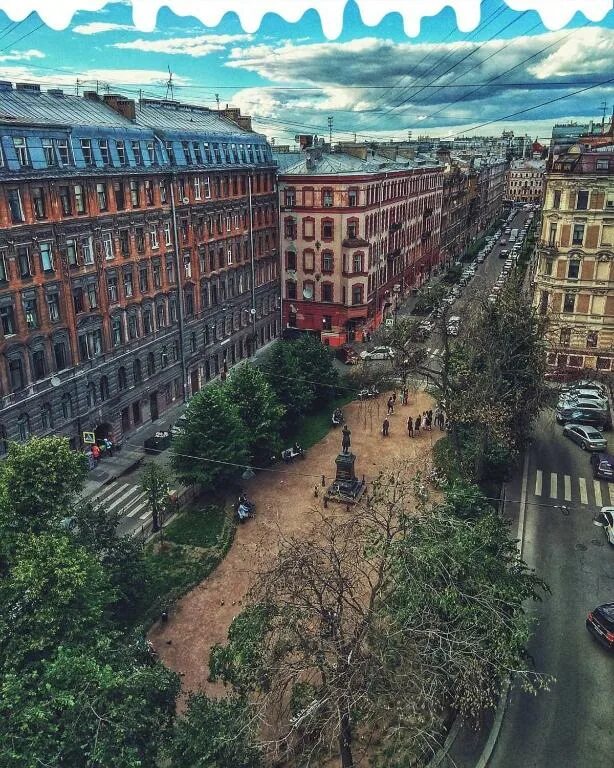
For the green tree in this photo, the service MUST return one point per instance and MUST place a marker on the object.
(287, 378)
(214, 441)
(39, 480)
(214, 733)
(316, 360)
(154, 482)
(259, 409)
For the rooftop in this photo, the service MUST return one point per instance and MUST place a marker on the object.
(318, 163)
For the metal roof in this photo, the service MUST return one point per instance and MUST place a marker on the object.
(341, 163)
(43, 108)
(185, 119)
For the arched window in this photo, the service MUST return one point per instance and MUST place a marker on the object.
(104, 388)
(164, 356)
(137, 373)
(67, 411)
(151, 364)
(122, 378)
(47, 416)
(23, 427)
(92, 398)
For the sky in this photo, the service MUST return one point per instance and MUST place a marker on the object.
(379, 82)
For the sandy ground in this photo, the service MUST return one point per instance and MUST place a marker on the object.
(285, 502)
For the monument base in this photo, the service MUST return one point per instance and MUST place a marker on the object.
(346, 488)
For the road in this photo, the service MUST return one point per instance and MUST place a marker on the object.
(569, 726)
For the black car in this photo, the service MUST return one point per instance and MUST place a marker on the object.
(600, 623)
(589, 415)
(603, 465)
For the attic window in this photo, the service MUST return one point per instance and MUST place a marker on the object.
(21, 149)
(86, 148)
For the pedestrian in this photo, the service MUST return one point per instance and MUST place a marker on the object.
(410, 427)
(108, 446)
(441, 421)
(429, 420)
(316, 491)
(394, 398)
(95, 452)
(417, 424)
(385, 427)
(390, 406)
(405, 396)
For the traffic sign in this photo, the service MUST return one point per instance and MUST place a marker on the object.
(89, 438)
(389, 322)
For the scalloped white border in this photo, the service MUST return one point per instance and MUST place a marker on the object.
(58, 14)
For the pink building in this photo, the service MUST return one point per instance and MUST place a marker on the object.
(358, 231)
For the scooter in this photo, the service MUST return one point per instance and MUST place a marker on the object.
(337, 417)
(245, 509)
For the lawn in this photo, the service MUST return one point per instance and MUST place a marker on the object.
(197, 527)
(317, 425)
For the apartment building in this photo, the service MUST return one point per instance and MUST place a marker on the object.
(137, 257)
(358, 229)
(574, 278)
(525, 181)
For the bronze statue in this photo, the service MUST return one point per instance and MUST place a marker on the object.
(345, 440)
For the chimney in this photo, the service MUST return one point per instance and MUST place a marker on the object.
(28, 87)
(120, 104)
(91, 95)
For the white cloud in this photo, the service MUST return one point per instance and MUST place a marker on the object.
(97, 27)
(22, 55)
(589, 50)
(89, 77)
(196, 46)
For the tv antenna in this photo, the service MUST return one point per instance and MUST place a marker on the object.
(170, 88)
(604, 108)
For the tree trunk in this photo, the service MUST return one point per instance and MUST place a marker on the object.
(345, 741)
(155, 519)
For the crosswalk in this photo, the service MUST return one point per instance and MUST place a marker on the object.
(124, 498)
(568, 488)
(432, 353)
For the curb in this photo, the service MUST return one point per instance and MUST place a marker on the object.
(442, 752)
(496, 728)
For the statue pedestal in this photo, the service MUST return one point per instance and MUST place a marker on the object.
(346, 488)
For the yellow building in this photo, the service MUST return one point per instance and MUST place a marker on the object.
(574, 278)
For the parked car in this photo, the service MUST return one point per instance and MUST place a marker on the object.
(605, 520)
(585, 384)
(178, 427)
(603, 465)
(584, 415)
(504, 253)
(347, 355)
(600, 623)
(577, 395)
(377, 353)
(587, 437)
(453, 324)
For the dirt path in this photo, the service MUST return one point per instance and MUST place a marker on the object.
(285, 502)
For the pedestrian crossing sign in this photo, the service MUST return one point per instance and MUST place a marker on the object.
(89, 438)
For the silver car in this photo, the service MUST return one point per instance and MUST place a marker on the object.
(588, 438)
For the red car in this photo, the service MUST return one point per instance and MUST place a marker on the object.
(600, 623)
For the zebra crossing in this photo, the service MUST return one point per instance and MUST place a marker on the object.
(124, 498)
(568, 488)
(433, 353)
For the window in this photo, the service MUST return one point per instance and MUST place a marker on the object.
(59, 354)
(147, 321)
(569, 302)
(15, 206)
(137, 373)
(291, 260)
(160, 316)
(327, 198)
(23, 260)
(92, 295)
(133, 327)
(196, 186)
(164, 357)
(124, 242)
(107, 246)
(4, 276)
(548, 265)
(151, 364)
(170, 152)
(122, 378)
(128, 286)
(103, 144)
(79, 199)
(86, 250)
(134, 194)
(328, 229)
(63, 149)
(144, 278)
(31, 313)
(92, 397)
(86, 149)
(16, 374)
(592, 339)
(352, 198)
(290, 197)
(556, 201)
(163, 192)
(136, 151)
(39, 366)
(21, 150)
(357, 262)
(67, 410)
(46, 257)
(187, 265)
(153, 236)
(47, 416)
(151, 152)
(197, 152)
(116, 331)
(120, 145)
(327, 292)
(327, 261)
(185, 145)
(38, 202)
(582, 200)
(207, 187)
(352, 230)
(77, 296)
(149, 198)
(65, 201)
(565, 337)
(101, 193)
(552, 235)
(104, 388)
(291, 289)
(356, 294)
(49, 152)
(157, 274)
(573, 270)
(112, 288)
(7, 320)
(578, 234)
(23, 427)
(167, 233)
(139, 238)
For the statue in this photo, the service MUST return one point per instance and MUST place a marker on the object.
(345, 440)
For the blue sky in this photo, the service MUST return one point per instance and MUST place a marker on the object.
(376, 81)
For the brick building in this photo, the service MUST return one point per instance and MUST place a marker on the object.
(357, 230)
(137, 257)
(574, 277)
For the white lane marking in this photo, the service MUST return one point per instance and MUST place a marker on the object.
(102, 494)
(136, 509)
(597, 487)
(567, 481)
(583, 494)
(123, 497)
(553, 485)
(538, 482)
(146, 514)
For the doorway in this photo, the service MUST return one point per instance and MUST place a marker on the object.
(153, 406)
(125, 420)
(194, 383)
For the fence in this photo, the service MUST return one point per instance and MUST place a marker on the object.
(178, 501)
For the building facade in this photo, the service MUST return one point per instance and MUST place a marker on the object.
(357, 231)
(525, 181)
(137, 258)
(574, 277)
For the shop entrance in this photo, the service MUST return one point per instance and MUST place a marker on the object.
(103, 431)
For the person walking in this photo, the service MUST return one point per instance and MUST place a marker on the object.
(429, 420)
(410, 427)
(390, 406)
(394, 398)
(385, 427)
(417, 424)
(405, 396)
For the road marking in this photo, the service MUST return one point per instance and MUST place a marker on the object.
(134, 510)
(538, 482)
(567, 481)
(97, 498)
(597, 487)
(123, 497)
(583, 494)
(553, 484)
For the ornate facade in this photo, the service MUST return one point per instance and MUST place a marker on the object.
(137, 258)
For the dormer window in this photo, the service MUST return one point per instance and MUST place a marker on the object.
(151, 152)
(63, 151)
(86, 149)
(170, 152)
(186, 152)
(197, 153)
(121, 151)
(49, 152)
(21, 149)
(136, 151)
(104, 151)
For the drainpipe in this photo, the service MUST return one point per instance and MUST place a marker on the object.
(184, 372)
(279, 253)
(251, 253)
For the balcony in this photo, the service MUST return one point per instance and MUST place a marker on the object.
(547, 248)
(395, 226)
(355, 242)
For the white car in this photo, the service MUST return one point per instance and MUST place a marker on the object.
(585, 384)
(377, 353)
(605, 520)
(452, 326)
(584, 394)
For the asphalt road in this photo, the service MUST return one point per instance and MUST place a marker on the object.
(571, 725)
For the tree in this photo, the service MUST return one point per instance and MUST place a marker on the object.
(287, 378)
(259, 409)
(154, 482)
(214, 733)
(405, 340)
(39, 481)
(316, 361)
(214, 446)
